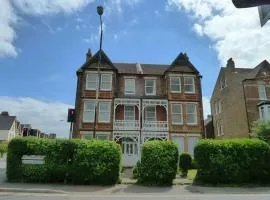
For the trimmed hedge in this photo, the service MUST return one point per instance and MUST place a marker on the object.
(65, 160)
(136, 169)
(185, 161)
(233, 161)
(3, 148)
(158, 163)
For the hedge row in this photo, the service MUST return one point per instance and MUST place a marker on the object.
(159, 162)
(72, 161)
(233, 161)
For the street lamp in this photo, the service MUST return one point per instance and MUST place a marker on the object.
(100, 12)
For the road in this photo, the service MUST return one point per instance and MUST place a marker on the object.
(22, 196)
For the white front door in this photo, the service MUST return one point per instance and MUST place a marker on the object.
(180, 140)
(130, 152)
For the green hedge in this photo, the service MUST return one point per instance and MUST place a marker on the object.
(64, 160)
(158, 163)
(3, 148)
(233, 161)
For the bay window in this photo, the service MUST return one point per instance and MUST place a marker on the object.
(191, 110)
(261, 90)
(104, 111)
(106, 82)
(175, 84)
(91, 81)
(264, 112)
(189, 84)
(177, 117)
(89, 111)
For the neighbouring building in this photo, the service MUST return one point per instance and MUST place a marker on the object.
(139, 102)
(9, 127)
(240, 97)
(209, 128)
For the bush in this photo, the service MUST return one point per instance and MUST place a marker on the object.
(194, 164)
(261, 129)
(158, 163)
(136, 170)
(98, 162)
(64, 160)
(3, 148)
(233, 161)
(185, 163)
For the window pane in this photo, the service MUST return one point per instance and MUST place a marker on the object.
(150, 114)
(106, 82)
(189, 84)
(191, 114)
(129, 113)
(92, 81)
(129, 86)
(175, 84)
(177, 114)
(104, 112)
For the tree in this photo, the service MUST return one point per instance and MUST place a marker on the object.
(261, 130)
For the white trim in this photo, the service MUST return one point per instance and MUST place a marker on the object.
(130, 77)
(186, 134)
(101, 72)
(180, 74)
(133, 86)
(150, 77)
(86, 81)
(84, 110)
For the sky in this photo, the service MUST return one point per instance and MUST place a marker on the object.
(44, 42)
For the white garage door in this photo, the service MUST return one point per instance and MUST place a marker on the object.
(180, 143)
(192, 141)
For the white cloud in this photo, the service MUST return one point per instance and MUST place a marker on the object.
(157, 13)
(41, 7)
(8, 20)
(234, 32)
(49, 117)
(206, 106)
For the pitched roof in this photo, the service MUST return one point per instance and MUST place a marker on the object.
(182, 64)
(254, 72)
(104, 60)
(6, 122)
(148, 69)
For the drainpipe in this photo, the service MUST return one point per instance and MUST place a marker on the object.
(246, 107)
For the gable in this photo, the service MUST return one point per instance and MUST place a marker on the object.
(182, 64)
(263, 70)
(105, 63)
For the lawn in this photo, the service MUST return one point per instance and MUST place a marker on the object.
(192, 174)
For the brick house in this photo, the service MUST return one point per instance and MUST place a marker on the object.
(139, 102)
(240, 98)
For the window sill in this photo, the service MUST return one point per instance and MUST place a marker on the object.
(192, 124)
(178, 124)
(176, 92)
(190, 92)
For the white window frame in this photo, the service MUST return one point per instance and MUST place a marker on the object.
(108, 111)
(221, 129)
(85, 111)
(173, 113)
(133, 86)
(146, 113)
(108, 82)
(219, 106)
(195, 112)
(193, 84)
(179, 79)
(262, 91)
(154, 86)
(134, 115)
(264, 112)
(87, 85)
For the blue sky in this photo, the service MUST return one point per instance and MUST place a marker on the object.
(48, 42)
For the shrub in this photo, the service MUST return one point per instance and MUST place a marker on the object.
(194, 164)
(158, 163)
(261, 129)
(3, 148)
(185, 163)
(233, 161)
(98, 162)
(136, 169)
(64, 160)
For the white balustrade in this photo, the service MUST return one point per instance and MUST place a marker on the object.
(155, 125)
(126, 125)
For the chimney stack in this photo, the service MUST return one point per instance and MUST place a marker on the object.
(230, 64)
(88, 55)
(4, 113)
